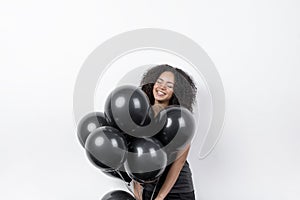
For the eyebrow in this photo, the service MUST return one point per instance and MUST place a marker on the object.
(167, 81)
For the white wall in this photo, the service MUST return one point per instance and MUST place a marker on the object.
(255, 46)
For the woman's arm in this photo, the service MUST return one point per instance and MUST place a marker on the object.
(173, 174)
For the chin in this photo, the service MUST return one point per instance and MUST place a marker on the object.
(162, 101)
(159, 99)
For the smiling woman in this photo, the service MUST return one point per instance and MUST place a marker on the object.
(166, 86)
(184, 89)
(163, 88)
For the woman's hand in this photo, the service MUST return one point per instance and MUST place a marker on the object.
(137, 188)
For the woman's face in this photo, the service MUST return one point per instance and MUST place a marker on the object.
(164, 87)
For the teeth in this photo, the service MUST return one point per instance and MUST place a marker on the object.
(160, 93)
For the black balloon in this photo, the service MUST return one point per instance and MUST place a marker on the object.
(179, 128)
(118, 195)
(89, 123)
(128, 109)
(96, 162)
(146, 160)
(126, 100)
(106, 148)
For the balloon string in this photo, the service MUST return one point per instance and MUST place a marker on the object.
(154, 190)
(126, 184)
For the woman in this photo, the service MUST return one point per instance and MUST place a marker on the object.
(166, 85)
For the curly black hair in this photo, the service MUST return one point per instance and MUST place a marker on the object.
(184, 89)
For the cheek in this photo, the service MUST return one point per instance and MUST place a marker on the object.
(171, 93)
(154, 88)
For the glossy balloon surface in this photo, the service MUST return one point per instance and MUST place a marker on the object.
(127, 108)
(118, 195)
(146, 160)
(106, 148)
(89, 123)
(178, 130)
(126, 103)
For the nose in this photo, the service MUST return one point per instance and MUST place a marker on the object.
(162, 86)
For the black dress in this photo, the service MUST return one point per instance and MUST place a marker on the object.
(182, 189)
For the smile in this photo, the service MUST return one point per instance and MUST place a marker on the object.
(160, 93)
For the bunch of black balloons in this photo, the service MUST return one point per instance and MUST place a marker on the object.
(130, 141)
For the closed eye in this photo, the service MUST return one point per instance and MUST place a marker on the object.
(168, 84)
(159, 81)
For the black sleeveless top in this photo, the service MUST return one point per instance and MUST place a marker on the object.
(183, 184)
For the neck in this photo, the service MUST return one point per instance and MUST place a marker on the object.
(162, 104)
(157, 107)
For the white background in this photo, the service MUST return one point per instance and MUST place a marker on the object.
(255, 46)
